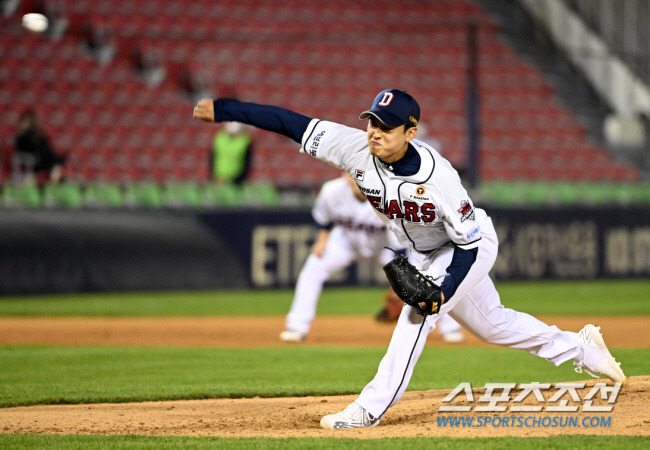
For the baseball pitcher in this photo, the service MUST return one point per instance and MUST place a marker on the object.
(419, 196)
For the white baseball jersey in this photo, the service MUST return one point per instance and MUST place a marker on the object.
(426, 211)
(364, 231)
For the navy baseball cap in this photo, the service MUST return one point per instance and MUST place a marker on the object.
(394, 107)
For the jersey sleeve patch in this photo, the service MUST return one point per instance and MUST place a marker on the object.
(466, 211)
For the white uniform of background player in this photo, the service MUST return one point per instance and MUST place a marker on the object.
(420, 198)
(350, 230)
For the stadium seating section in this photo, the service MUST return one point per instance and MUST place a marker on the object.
(326, 59)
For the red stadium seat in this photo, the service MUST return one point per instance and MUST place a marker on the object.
(303, 58)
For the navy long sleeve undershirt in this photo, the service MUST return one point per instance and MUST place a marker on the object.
(461, 262)
(293, 125)
(269, 118)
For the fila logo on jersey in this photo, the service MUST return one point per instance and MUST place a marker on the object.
(359, 175)
(409, 211)
(386, 99)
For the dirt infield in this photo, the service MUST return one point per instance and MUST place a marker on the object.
(621, 331)
(415, 415)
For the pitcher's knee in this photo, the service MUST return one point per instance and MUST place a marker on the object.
(497, 329)
(492, 334)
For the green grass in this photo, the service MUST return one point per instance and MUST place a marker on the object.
(547, 297)
(608, 297)
(172, 442)
(48, 375)
(83, 374)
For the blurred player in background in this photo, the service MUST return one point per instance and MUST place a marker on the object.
(349, 230)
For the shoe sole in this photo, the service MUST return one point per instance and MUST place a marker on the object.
(453, 338)
(597, 337)
(291, 338)
(326, 425)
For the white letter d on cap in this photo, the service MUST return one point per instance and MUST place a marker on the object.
(385, 101)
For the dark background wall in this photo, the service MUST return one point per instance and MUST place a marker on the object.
(49, 251)
(72, 251)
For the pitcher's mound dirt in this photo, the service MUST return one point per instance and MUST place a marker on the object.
(415, 415)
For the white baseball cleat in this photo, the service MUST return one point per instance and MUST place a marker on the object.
(597, 359)
(455, 337)
(292, 336)
(354, 416)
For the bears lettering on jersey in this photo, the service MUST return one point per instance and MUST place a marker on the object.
(409, 211)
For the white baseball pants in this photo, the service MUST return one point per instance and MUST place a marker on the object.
(477, 307)
(314, 273)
